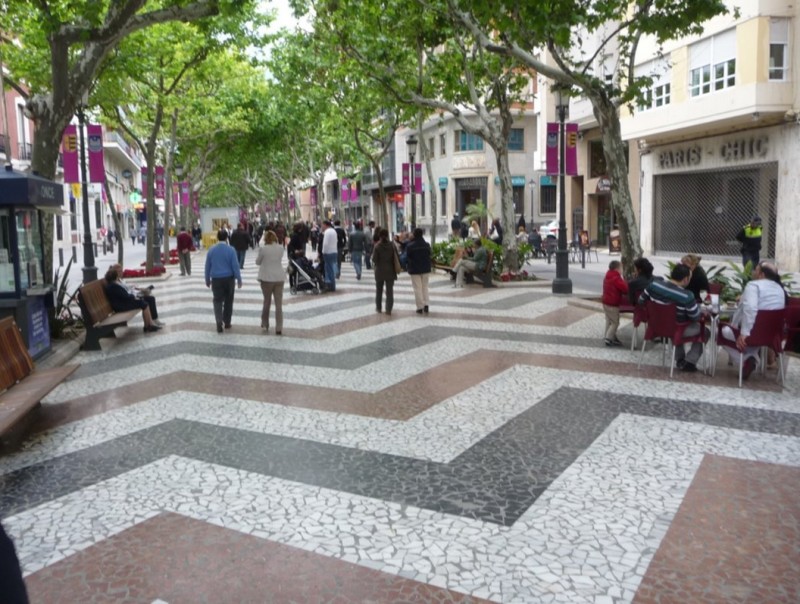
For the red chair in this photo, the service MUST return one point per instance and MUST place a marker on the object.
(792, 333)
(767, 332)
(715, 288)
(662, 323)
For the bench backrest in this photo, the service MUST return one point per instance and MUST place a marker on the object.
(94, 303)
(15, 362)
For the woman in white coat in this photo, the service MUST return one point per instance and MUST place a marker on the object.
(271, 275)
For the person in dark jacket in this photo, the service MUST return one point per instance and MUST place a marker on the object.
(699, 280)
(418, 258)
(643, 275)
(240, 241)
(383, 260)
(496, 232)
(122, 300)
(12, 585)
(357, 245)
(341, 244)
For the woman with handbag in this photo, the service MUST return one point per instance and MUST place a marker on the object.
(387, 266)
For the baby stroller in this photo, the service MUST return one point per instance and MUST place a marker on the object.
(303, 277)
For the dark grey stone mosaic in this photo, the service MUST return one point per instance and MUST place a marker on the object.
(496, 480)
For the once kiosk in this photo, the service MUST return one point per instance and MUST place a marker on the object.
(23, 293)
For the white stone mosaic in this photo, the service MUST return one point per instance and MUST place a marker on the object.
(590, 536)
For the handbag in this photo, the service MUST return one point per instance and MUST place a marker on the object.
(397, 268)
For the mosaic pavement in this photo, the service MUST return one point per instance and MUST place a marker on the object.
(493, 450)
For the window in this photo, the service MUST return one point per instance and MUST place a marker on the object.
(516, 139)
(518, 195)
(597, 160)
(442, 145)
(713, 64)
(778, 49)
(431, 150)
(465, 141)
(660, 90)
(547, 199)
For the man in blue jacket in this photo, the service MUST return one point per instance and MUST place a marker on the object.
(222, 268)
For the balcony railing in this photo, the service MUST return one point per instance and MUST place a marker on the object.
(25, 151)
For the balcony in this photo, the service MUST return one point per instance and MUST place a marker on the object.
(120, 150)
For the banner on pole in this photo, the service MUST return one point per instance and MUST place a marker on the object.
(354, 191)
(551, 155)
(185, 193)
(94, 136)
(571, 150)
(406, 187)
(69, 154)
(196, 202)
(345, 189)
(161, 191)
(144, 180)
(313, 197)
(417, 178)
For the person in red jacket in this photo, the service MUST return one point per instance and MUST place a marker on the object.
(615, 290)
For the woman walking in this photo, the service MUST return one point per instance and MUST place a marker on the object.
(384, 259)
(418, 254)
(271, 276)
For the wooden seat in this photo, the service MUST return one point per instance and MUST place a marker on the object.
(22, 385)
(99, 318)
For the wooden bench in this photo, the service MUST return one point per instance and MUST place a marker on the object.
(99, 318)
(22, 386)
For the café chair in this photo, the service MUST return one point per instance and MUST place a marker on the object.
(767, 333)
(791, 336)
(662, 323)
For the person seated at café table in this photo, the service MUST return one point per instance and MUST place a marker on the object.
(642, 277)
(673, 291)
(475, 264)
(121, 300)
(699, 281)
(763, 292)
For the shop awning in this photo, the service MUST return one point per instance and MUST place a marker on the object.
(22, 189)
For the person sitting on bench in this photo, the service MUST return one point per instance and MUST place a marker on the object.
(475, 264)
(145, 293)
(121, 300)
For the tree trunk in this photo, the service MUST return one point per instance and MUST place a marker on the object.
(607, 116)
(510, 251)
(115, 218)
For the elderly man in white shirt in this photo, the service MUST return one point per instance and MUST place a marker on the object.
(763, 292)
(330, 254)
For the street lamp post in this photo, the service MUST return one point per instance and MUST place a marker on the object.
(562, 283)
(89, 268)
(411, 142)
(532, 185)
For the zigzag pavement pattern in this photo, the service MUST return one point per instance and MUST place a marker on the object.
(491, 450)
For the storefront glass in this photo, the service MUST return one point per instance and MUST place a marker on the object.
(7, 283)
(29, 248)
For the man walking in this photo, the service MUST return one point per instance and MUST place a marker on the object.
(357, 246)
(330, 254)
(341, 245)
(222, 269)
(369, 234)
(673, 291)
(455, 226)
(750, 238)
(185, 244)
(240, 241)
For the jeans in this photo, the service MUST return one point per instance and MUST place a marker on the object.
(240, 255)
(339, 258)
(357, 256)
(272, 289)
(754, 257)
(222, 288)
(696, 349)
(389, 294)
(185, 260)
(331, 264)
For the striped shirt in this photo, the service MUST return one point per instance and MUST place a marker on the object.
(662, 291)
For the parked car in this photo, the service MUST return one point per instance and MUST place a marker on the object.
(549, 228)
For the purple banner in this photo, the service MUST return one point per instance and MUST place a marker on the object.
(313, 197)
(405, 180)
(571, 151)
(345, 186)
(418, 178)
(185, 193)
(551, 156)
(144, 181)
(161, 191)
(94, 135)
(354, 191)
(69, 153)
(292, 202)
(196, 202)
